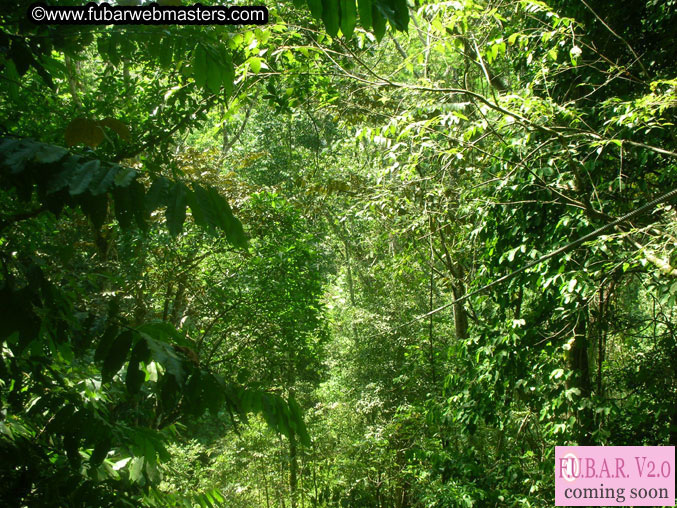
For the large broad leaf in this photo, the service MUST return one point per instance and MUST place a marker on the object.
(200, 69)
(169, 392)
(176, 208)
(102, 181)
(136, 469)
(117, 126)
(197, 210)
(84, 131)
(348, 17)
(315, 7)
(214, 392)
(105, 343)
(364, 8)
(215, 74)
(330, 16)
(83, 176)
(400, 19)
(164, 332)
(165, 355)
(16, 153)
(234, 231)
(101, 449)
(94, 207)
(117, 354)
(135, 376)
(378, 22)
(124, 206)
(226, 220)
(228, 74)
(215, 211)
(297, 422)
(192, 393)
(137, 194)
(158, 194)
(124, 176)
(49, 154)
(18, 316)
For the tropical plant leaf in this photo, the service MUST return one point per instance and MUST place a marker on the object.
(176, 208)
(348, 17)
(117, 354)
(330, 16)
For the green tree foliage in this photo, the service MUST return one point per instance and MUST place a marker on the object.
(324, 222)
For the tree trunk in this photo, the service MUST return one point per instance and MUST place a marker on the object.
(293, 470)
(578, 363)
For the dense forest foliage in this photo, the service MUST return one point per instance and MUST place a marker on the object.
(373, 253)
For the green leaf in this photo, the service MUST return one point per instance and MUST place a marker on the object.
(193, 393)
(94, 207)
(13, 80)
(102, 181)
(136, 376)
(228, 75)
(169, 392)
(136, 469)
(153, 472)
(217, 212)
(364, 7)
(124, 176)
(162, 331)
(19, 153)
(167, 52)
(49, 154)
(378, 22)
(124, 206)
(176, 208)
(105, 343)
(214, 75)
(254, 64)
(117, 355)
(232, 226)
(214, 393)
(60, 179)
(158, 194)
(197, 210)
(101, 449)
(137, 195)
(83, 176)
(330, 16)
(200, 66)
(315, 7)
(297, 420)
(164, 354)
(348, 17)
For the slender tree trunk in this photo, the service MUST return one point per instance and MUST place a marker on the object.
(315, 499)
(601, 328)
(265, 487)
(281, 482)
(457, 287)
(293, 470)
(578, 363)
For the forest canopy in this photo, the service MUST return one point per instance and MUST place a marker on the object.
(371, 253)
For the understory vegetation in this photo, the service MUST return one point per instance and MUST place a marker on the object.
(367, 254)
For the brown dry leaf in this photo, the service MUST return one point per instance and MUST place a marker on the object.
(120, 128)
(83, 130)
